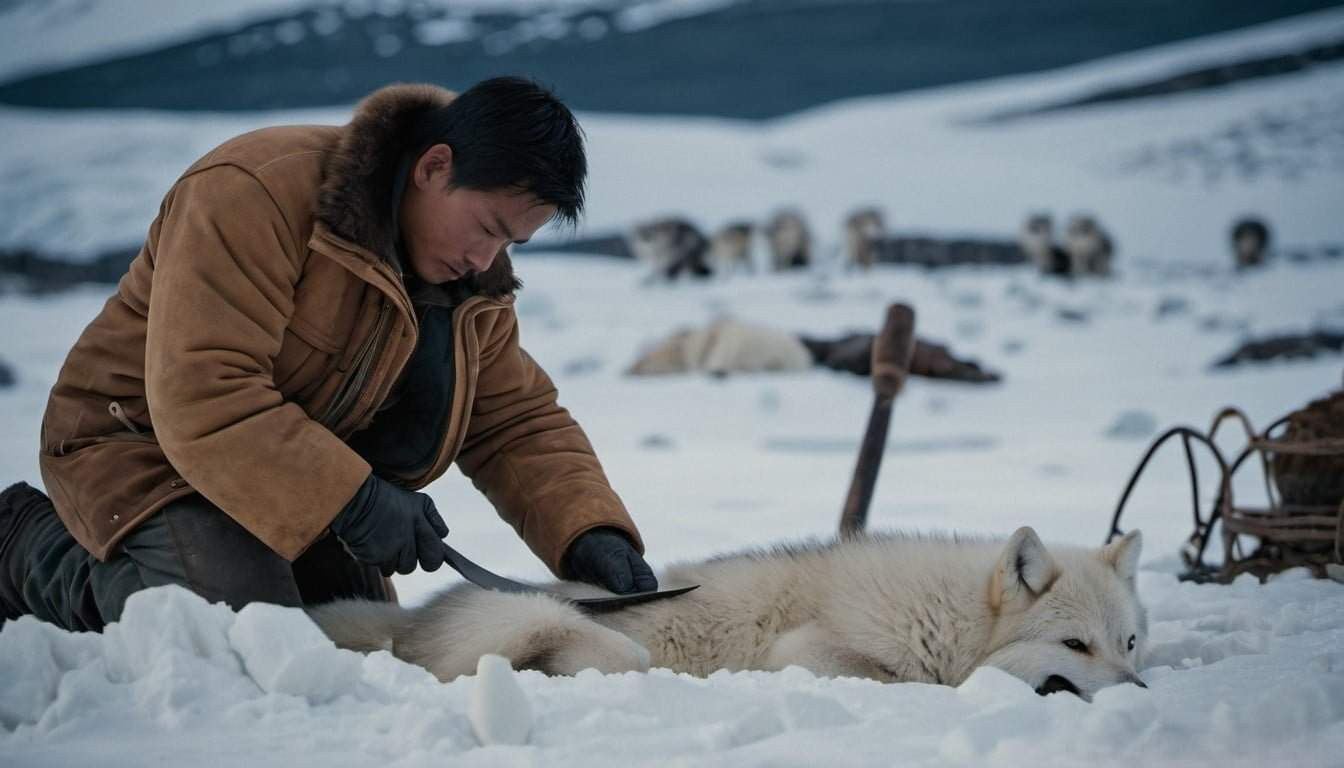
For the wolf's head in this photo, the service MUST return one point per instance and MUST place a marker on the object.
(1068, 621)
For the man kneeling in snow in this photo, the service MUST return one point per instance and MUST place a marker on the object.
(320, 321)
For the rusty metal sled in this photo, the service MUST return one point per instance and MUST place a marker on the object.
(1303, 527)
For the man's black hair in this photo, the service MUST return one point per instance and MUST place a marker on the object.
(510, 133)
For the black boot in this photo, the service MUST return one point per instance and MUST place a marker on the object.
(14, 501)
(44, 572)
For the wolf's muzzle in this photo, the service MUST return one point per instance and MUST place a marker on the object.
(1057, 683)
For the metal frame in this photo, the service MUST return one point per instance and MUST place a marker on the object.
(1290, 535)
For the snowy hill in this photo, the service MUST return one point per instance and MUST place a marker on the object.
(754, 59)
(1166, 175)
(1243, 674)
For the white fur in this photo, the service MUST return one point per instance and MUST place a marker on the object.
(888, 607)
(451, 633)
(724, 346)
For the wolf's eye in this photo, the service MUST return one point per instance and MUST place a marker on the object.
(1074, 644)
(1131, 642)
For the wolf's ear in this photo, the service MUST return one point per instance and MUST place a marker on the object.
(1025, 568)
(1123, 555)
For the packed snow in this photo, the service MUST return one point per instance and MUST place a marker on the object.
(1239, 674)
(1245, 674)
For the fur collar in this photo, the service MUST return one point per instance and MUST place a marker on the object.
(356, 198)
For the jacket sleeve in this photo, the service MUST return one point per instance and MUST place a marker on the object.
(222, 294)
(529, 457)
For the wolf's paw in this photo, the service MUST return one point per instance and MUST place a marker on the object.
(596, 647)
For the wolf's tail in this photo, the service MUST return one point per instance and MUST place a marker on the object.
(361, 625)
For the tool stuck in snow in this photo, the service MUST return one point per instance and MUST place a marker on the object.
(1302, 522)
(892, 350)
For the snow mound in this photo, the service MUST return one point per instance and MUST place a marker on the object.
(284, 652)
(178, 674)
(1132, 425)
(499, 710)
(174, 661)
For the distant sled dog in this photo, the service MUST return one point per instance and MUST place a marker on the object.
(891, 607)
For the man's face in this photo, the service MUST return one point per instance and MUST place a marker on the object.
(450, 231)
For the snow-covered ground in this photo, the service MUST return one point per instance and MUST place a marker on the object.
(1245, 674)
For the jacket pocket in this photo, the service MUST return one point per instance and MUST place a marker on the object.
(300, 365)
(313, 336)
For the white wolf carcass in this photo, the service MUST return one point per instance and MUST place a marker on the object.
(890, 607)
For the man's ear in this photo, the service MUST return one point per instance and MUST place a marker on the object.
(1123, 555)
(1025, 569)
(434, 169)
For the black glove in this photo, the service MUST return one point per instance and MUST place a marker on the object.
(391, 528)
(607, 558)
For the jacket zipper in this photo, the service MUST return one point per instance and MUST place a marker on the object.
(362, 365)
(452, 446)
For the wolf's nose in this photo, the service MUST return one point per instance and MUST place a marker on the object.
(1057, 683)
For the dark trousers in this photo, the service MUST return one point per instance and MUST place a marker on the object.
(190, 542)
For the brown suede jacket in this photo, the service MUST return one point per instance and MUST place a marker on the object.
(264, 322)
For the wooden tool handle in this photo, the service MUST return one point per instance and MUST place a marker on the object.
(892, 350)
